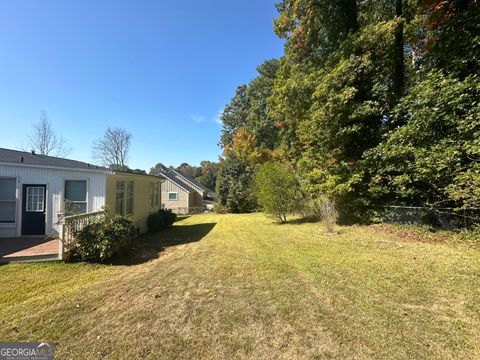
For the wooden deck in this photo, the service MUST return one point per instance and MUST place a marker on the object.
(28, 248)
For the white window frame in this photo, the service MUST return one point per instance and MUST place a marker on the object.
(44, 195)
(4, 224)
(176, 195)
(74, 202)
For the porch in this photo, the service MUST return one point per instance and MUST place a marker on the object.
(28, 248)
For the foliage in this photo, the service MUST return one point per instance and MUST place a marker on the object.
(314, 29)
(157, 169)
(348, 105)
(373, 103)
(160, 220)
(189, 170)
(433, 158)
(219, 208)
(248, 111)
(208, 175)
(102, 239)
(249, 136)
(234, 115)
(235, 186)
(278, 191)
(447, 36)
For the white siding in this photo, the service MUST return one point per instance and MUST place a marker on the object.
(55, 181)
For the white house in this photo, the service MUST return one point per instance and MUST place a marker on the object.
(33, 189)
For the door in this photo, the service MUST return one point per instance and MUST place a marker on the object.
(33, 209)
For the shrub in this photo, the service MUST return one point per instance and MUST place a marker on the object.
(160, 220)
(328, 213)
(100, 240)
(155, 222)
(235, 182)
(278, 191)
(219, 208)
(168, 217)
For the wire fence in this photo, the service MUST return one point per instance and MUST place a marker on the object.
(449, 219)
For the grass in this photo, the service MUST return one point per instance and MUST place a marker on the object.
(240, 286)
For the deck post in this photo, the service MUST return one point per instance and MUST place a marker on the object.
(62, 243)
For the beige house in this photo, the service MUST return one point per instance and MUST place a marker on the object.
(182, 194)
(134, 196)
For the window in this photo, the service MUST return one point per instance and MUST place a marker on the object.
(8, 189)
(173, 196)
(129, 196)
(75, 196)
(35, 199)
(124, 198)
(157, 193)
(120, 198)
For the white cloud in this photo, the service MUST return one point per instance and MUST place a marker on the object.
(197, 118)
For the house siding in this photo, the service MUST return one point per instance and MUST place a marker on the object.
(141, 198)
(196, 201)
(54, 179)
(185, 199)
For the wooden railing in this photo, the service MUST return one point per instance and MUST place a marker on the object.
(73, 224)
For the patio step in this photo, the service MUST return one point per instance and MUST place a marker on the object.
(31, 258)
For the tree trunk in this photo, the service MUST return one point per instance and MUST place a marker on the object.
(399, 61)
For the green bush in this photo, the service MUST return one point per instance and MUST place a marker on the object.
(168, 217)
(219, 208)
(278, 191)
(160, 220)
(155, 222)
(100, 240)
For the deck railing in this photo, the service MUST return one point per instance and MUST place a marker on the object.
(73, 224)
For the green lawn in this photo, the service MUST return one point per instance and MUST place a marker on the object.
(240, 286)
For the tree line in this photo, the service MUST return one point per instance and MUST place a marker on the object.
(372, 103)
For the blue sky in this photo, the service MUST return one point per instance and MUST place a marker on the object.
(160, 69)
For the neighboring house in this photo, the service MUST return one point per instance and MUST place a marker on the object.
(182, 194)
(35, 188)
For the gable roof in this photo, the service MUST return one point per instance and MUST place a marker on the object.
(192, 180)
(169, 176)
(23, 158)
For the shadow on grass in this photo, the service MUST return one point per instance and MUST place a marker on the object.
(181, 218)
(304, 220)
(151, 246)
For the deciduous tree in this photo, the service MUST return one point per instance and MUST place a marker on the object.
(112, 149)
(45, 141)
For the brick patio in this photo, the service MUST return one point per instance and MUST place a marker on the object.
(27, 247)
